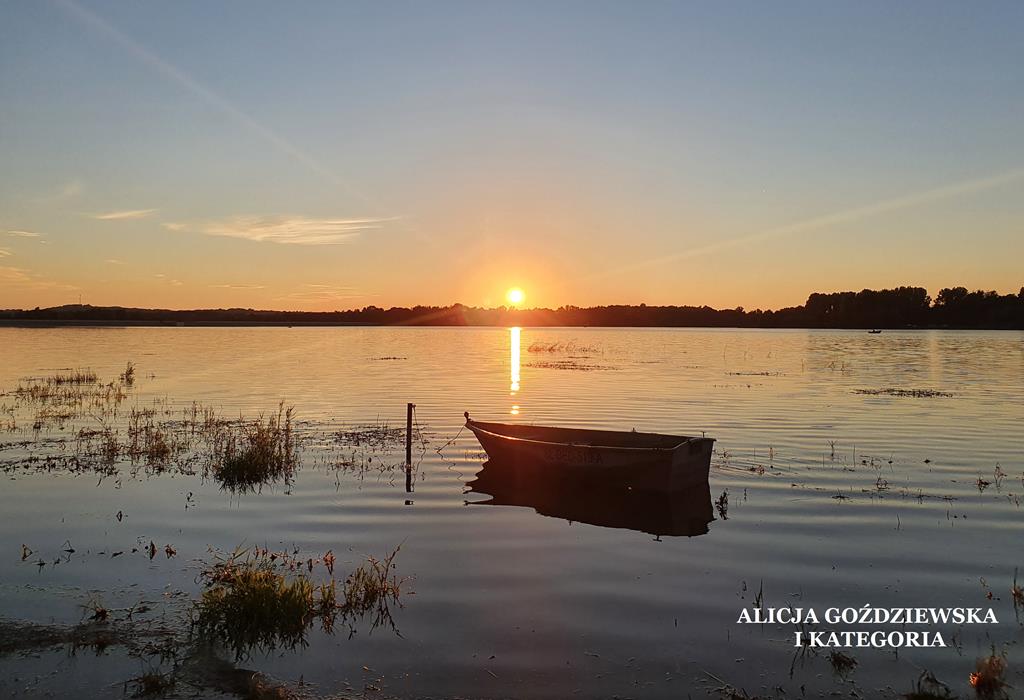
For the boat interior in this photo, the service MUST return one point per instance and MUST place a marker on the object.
(578, 436)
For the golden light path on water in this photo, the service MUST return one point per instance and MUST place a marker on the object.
(514, 339)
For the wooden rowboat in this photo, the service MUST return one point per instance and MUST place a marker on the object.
(642, 461)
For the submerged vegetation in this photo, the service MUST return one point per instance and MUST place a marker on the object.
(79, 425)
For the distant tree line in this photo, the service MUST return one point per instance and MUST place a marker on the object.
(903, 307)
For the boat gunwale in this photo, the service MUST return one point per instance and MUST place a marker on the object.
(684, 440)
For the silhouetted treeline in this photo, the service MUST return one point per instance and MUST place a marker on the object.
(903, 307)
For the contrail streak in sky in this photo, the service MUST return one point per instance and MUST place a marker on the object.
(176, 75)
(840, 217)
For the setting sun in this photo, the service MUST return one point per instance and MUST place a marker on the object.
(515, 296)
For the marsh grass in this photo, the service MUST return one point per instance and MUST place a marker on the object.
(249, 604)
(257, 453)
(151, 683)
(78, 376)
(260, 600)
(372, 588)
(128, 376)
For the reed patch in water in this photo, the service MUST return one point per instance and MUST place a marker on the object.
(257, 453)
(264, 600)
(78, 376)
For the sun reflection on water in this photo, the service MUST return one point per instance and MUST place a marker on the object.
(514, 362)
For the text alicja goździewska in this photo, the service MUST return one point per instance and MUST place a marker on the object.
(868, 615)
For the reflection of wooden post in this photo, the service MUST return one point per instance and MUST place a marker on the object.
(408, 447)
(408, 433)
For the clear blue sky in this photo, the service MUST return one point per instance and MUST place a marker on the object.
(331, 155)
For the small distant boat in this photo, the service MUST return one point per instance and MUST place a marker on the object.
(641, 461)
(874, 331)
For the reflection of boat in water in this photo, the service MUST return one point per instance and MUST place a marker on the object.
(586, 500)
(640, 461)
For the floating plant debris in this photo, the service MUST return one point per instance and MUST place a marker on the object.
(916, 393)
(569, 364)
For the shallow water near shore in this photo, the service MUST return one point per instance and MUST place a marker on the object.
(856, 469)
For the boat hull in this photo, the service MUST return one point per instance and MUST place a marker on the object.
(675, 468)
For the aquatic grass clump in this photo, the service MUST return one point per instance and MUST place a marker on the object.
(78, 376)
(263, 600)
(257, 453)
(249, 604)
(151, 683)
(151, 442)
(128, 376)
(372, 586)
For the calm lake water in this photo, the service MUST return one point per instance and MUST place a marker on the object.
(835, 498)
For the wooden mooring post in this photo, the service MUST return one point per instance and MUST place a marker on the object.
(408, 433)
(408, 448)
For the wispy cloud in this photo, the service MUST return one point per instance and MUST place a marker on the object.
(68, 190)
(115, 261)
(200, 90)
(4, 253)
(13, 275)
(24, 234)
(238, 286)
(295, 230)
(20, 278)
(125, 214)
(322, 294)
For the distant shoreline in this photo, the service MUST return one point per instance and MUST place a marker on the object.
(43, 324)
(886, 309)
(100, 323)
